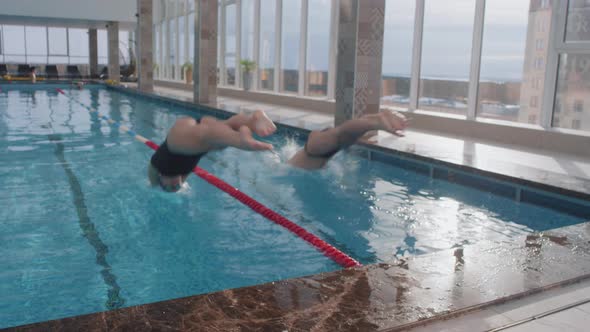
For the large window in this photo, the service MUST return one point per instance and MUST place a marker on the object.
(397, 52)
(318, 47)
(502, 61)
(446, 55)
(291, 34)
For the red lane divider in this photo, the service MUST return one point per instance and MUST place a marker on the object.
(328, 250)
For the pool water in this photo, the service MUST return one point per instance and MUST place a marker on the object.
(82, 231)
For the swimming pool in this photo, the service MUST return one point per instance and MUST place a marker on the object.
(82, 231)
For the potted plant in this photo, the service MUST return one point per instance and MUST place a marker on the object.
(188, 72)
(247, 67)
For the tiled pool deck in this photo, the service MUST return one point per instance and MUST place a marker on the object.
(463, 282)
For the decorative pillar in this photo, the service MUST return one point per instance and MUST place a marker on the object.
(145, 45)
(113, 50)
(93, 52)
(359, 58)
(205, 60)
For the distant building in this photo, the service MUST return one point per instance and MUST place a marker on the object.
(535, 59)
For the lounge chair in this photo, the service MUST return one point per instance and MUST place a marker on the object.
(23, 70)
(3, 70)
(51, 72)
(73, 71)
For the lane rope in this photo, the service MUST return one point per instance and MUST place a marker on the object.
(325, 248)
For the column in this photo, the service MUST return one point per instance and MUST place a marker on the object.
(145, 45)
(113, 49)
(359, 58)
(93, 52)
(205, 61)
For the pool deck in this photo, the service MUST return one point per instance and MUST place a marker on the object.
(475, 288)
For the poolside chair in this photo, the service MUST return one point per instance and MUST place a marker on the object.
(73, 71)
(3, 69)
(51, 72)
(23, 70)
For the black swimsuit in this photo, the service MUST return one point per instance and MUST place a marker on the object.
(171, 163)
(327, 155)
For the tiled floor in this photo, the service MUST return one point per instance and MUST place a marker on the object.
(548, 167)
(526, 312)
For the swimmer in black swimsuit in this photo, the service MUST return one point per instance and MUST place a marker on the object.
(323, 145)
(189, 140)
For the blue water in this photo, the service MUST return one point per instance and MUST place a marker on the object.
(81, 231)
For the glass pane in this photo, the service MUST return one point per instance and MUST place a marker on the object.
(79, 60)
(36, 41)
(58, 44)
(59, 60)
(397, 52)
(181, 40)
(446, 55)
(291, 30)
(191, 37)
(14, 39)
(125, 45)
(219, 55)
(102, 60)
(172, 49)
(572, 100)
(267, 44)
(578, 21)
(78, 42)
(535, 55)
(156, 54)
(230, 68)
(102, 41)
(248, 29)
(230, 44)
(1, 41)
(503, 56)
(318, 47)
(165, 50)
(15, 59)
(36, 59)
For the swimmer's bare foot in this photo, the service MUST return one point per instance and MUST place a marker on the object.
(392, 122)
(261, 124)
(249, 143)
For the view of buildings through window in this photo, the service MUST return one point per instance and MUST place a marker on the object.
(514, 60)
(512, 73)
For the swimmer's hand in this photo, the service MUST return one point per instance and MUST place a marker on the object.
(247, 142)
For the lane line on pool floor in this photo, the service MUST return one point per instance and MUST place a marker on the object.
(114, 299)
(328, 250)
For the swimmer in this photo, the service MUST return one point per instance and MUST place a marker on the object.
(79, 85)
(323, 145)
(33, 75)
(189, 140)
